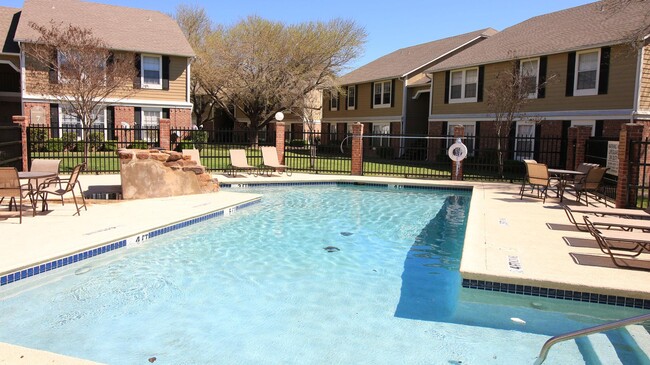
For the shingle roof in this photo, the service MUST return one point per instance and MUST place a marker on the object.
(122, 28)
(568, 30)
(406, 60)
(8, 22)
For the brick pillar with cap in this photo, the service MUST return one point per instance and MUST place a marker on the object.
(357, 149)
(23, 122)
(165, 133)
(625, 197)
(279, 140)
(457, 167)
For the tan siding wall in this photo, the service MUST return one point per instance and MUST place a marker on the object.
(620, 93)
(363, 110)
(645, 81)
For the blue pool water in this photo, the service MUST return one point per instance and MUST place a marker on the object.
(259, 287)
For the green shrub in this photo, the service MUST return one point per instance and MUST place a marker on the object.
(298, 143)
(96, 141)
(37, 138)
(54, 145)
(110, 145)
(186, 145)
(139, 145)
(69, 140)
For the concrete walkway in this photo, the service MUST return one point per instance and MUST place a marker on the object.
(501, 229)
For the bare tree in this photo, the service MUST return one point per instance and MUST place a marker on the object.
(79, 71)
(263, 67)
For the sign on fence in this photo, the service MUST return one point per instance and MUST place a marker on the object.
(612, 157)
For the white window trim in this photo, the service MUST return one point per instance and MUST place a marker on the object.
(586, 92)
(535, 94)
(347, 98)
(158, 110)
(62, 111)
(588, 123)
(519, 156)
(332, 98)
(463, 99)
(384, 104)
(146, 85)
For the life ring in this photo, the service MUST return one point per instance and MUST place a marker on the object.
(457, 151)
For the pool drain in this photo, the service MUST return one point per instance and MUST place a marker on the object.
(82, 270)
(331, 249)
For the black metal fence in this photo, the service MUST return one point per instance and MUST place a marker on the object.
(596, 151)
(638, 189)
(328, 153)
(11, 152)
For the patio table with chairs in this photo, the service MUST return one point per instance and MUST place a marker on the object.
(565, 176)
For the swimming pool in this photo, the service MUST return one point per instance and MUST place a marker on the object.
(312, 275)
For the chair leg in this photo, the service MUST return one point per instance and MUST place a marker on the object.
(83, 198)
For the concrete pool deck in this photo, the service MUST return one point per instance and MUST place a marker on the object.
(501, 229)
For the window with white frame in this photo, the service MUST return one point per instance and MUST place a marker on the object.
(334, 101)
(470, 135)
(381, 131)
(71, 124)
(463, 86)
(352, 97)
(382, 94)
(151, 72)
(588, 123)
(524, 141)
(333, 128)
(150, 123)
(529, 73)
(586, 75)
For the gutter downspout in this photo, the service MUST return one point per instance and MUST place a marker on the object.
(403, 121)
(637, 84)
(22, 79)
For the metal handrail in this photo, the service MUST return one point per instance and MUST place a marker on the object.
(587, 331)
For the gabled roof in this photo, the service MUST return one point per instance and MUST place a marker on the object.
(8, 22)
(572, 29)
(406, 60)
(122, 28)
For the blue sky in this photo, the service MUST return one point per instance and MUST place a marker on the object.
(390, 24)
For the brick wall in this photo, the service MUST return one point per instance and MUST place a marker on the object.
(180, 118)
(28, 112)
(124, 114)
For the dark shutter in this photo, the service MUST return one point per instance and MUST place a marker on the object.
(372, 95)
(392, 93)
(565, 141)
(444, 129)
(598, 131)
(511, 140)
(481, 76)
(138, 72)
(541, 90)
(53, 72)
(603, 78)
(570, 73)
(447, 77)
(356, 95)
(110, 122)
(165, 113)
(538, 134)
(165, 72)
(137, 121)
(54, 120)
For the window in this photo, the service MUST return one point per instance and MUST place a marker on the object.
(380, 129)
(333, 128)
(464, 86)
(150, 123)
(586, 77)
(528, 72)
(382, 94)
(588, 123)
(151, 72)
(470, 134)
(525, 141)
(334, 101)
(352, 97)
(71, 124)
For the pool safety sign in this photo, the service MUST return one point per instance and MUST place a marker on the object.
(612, 157)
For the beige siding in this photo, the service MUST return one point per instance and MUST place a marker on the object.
(363, 109)
(644, 95)
(620, 93)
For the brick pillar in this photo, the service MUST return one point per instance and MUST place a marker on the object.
(279, 140)
(357, 149)
(570, 162)
(629, 132)
(582, 135)
(165, 133)
(457, 167)
(23, 122)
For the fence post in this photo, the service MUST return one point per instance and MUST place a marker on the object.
(457, 167)
(23, 122)
(572, 136)
(279, 140)
(627, 172)
(357, 149)
(165, 134)
(583, 133)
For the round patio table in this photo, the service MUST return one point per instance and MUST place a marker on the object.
(36, 175)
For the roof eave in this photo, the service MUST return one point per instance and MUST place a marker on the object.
(445, 54)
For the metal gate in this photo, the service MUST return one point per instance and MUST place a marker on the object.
(11, 147)
(596, 151)
(638, 175)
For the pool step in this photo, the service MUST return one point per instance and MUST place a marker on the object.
(640, 339)
(603, 349)
(627, 345)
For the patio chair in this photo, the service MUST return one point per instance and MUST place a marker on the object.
(537, 176)
(238, 162)
(600, 212)
(50, 187)
(11, 188)
(271, 162)
(590, 184)
(43, 165)
(620, 244)
(194, 155)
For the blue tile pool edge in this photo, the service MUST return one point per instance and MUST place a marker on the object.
(571, 295)
(355, 183)
(137, 239)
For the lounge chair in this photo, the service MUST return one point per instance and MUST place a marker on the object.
(271, 162)
(11, 188)
(50, 187)
(238, 162)
(537, 176)
(597, 211)
(590, 183)
(194, 155)
(620, 244)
